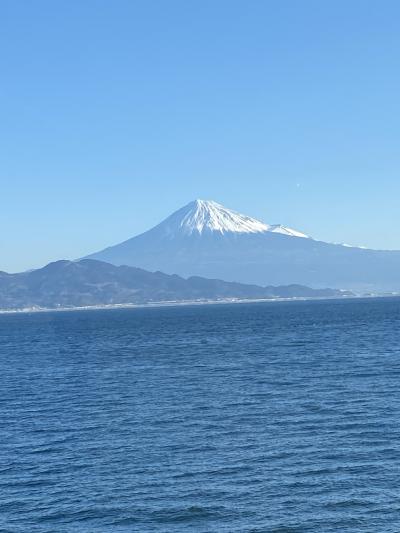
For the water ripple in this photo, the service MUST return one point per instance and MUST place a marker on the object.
(254, 418)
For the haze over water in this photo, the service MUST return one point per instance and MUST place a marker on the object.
(237, 418)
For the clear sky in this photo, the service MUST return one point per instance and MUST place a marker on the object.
(115, 113)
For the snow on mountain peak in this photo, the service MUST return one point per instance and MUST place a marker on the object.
(204, 215)
(284, 230)
(208, 216)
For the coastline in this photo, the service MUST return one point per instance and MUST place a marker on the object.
(180, 303)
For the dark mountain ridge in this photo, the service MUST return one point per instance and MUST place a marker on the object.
(89, 283)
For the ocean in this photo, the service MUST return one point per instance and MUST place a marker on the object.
(263, 417)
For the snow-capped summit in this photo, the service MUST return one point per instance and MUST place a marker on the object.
(203, 216)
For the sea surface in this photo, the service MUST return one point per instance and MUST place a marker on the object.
(267, 417)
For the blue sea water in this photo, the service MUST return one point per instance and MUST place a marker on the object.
(269, 417)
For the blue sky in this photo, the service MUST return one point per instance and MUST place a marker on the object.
(114, 114)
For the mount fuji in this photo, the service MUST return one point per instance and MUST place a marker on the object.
(206, 239)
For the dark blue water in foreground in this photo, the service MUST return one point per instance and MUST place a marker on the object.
(276, 417)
